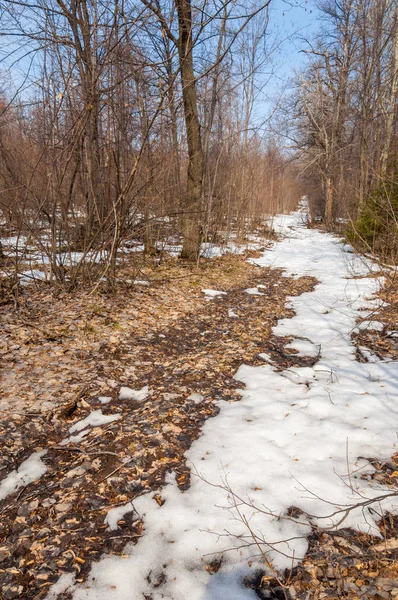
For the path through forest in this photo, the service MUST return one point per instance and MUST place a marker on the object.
(228, 414)
(291, 454)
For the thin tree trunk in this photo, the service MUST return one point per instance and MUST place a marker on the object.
(390, 112)
(329, 201)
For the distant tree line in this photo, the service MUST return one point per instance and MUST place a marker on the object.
(138, 121)
(346, 119)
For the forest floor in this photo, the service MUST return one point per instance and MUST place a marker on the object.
(108, 402)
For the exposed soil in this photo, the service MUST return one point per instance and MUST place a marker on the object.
(60, 353)
(383, 343)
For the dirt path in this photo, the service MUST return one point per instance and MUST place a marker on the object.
(59, 358)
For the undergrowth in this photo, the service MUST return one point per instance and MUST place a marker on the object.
(376, 228)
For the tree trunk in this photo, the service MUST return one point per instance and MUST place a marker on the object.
(329, 202)
(96, 201)
(193, 204)
(173, 119)
(390, 110)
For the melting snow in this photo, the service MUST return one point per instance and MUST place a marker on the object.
(254, 292)
(33, 275)
(62, 585)
(105, 399)
(304, 348)
(74, 439)
(127, 393)
(372, 325)
(266, 357)
(94, 419)
(195, 397)
(115, 514)
(30, 470)
(285, 444)
(213, 293)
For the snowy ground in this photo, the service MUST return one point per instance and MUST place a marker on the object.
(35, 261)
(294, 440)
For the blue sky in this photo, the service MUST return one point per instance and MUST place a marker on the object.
(290, 21)
(293, 21)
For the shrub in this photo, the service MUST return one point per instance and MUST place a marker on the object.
(376, 228)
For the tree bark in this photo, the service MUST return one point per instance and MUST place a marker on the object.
(193, 204)
(329, 202)
(390, 110)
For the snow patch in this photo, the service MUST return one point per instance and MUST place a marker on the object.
(32, 275)
(141, 282)
(213, 293)
(195, 397)
(30, 470)
(265, 357)
(304, 348)
(371, 325)
(284, 444)
(94, 419)
(368, 355)
(114, 515)
(74, 439)
(64, 583)
(127, 393)
(254, 292)
(105, 399)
